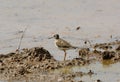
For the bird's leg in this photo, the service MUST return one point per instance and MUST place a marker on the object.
(65, 55)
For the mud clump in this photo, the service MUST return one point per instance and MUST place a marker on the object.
(38, 54)
(27, 61)
(103, 46)
(84, 52)
(32, 61)
(107, 51)
(98, 80)
(118, 48)
(108, 54)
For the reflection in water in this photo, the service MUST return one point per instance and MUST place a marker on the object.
(65, 70)
(107, 63)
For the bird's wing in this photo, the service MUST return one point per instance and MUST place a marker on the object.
(63, 43)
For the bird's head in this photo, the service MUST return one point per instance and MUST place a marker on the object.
(56, 36)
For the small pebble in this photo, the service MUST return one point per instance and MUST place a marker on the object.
(78, 28)
(98, 80)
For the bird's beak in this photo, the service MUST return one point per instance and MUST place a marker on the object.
(50, 37)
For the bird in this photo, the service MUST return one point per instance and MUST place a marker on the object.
(62, 44)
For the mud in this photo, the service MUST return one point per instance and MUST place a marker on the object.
(37, 62)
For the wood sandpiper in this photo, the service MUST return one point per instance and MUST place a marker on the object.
(62, 44)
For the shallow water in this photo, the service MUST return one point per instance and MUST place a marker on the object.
(98, 20)
(104, 72)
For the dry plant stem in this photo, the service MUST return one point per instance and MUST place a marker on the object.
(21, 39)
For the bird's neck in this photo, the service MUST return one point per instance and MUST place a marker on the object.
(57, 38)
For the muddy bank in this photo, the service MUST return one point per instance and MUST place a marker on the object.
(32, 60)
(37, 62)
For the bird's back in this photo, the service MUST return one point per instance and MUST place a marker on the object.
(62, 44)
